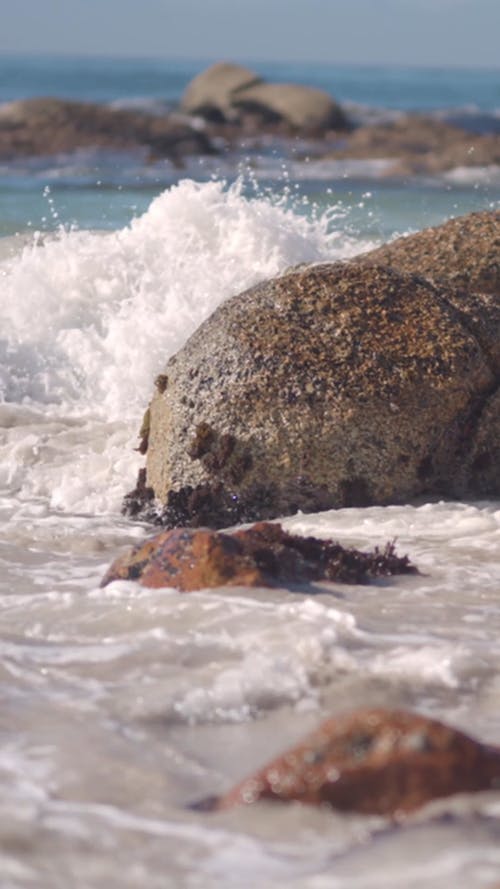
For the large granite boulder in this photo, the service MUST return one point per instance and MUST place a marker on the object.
(46, 126)
(211, 92)
(375, 762)
(463, 252)
(302, 108)
(334, 385)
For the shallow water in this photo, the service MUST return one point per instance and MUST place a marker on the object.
(120, 706)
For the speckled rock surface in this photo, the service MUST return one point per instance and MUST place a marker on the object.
(384, 762)
(464, 252)
(483, 460)
(334, 385)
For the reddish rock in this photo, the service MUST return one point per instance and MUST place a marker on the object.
(380, 762)
(263, 555)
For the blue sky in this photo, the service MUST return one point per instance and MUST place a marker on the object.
(422, 32)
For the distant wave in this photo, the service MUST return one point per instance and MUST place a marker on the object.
(468, 117)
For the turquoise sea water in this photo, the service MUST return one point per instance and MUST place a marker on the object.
(105, 80)
(93, 190)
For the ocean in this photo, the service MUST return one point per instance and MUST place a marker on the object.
(122, 705)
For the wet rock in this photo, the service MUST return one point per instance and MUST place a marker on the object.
(463, 252)
(382, 762)
(263, 555)
(333, 385)
(483, 458)
(137, 501)
(46, 126)
(420, 145)
(210, 93)
(303, 108)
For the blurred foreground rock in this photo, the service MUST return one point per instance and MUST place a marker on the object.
(263, 555)
(379, 762)
(334, 385)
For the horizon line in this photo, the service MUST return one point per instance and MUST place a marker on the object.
(207, 61)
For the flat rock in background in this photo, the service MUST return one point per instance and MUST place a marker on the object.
(46, 126)
(417, 144)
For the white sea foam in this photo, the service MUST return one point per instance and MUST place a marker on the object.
(487, 175)
(89, 319)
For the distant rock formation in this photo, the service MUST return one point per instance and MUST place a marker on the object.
(210, 94)
(227, 104)
(231, 93)
(340, 384)
(47, 126)
(303, 108)
(417, 144)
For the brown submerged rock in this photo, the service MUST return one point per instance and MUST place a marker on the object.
(263, 555)
(382, 762)
(330, 386)
(46, 126)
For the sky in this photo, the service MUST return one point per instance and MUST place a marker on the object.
(442, 33)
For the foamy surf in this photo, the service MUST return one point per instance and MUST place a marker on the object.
(89, 320)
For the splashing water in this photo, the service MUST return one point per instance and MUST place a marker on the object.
(89, 319)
